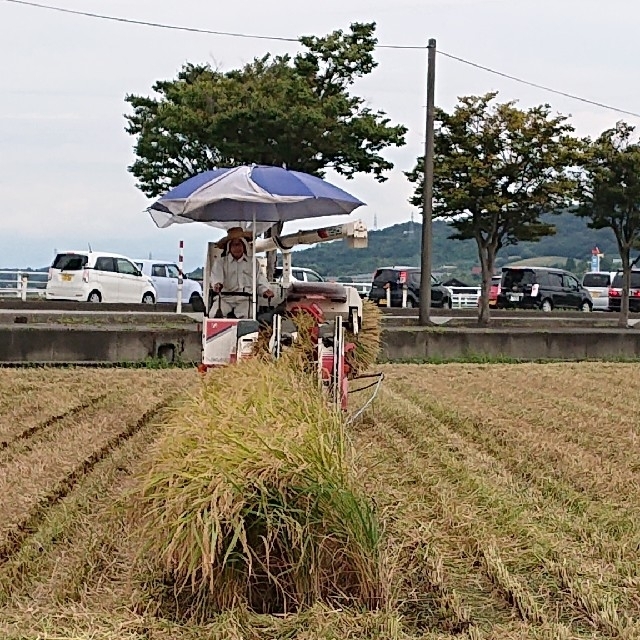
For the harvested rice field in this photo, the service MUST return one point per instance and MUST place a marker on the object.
(509, 497)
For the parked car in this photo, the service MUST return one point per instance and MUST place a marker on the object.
(615, 292)
(598, 283)
(395, 277)
(542, 288)
(164, 275)
(299, 274)
(94, 276)
(494, 291)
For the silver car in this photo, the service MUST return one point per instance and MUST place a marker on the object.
(597, 283)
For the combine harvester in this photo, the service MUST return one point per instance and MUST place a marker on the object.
(258, 199)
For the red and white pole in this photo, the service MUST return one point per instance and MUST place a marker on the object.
(180, 276)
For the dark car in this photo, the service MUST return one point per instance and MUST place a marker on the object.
(615, 292)
(542, 288)
(395, 277)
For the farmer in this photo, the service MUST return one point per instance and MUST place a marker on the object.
(234, 272)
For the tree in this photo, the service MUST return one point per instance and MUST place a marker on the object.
(610, 195)
(296, 112)
(570, 264)
(497, 170)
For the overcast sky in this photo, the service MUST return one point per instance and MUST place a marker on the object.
(64, 152)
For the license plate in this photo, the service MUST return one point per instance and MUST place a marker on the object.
(595, 294)
(382, 302)
(67, 277)
(514, 297)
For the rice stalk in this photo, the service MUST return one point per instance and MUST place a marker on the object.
(250, 499)
(368, 341)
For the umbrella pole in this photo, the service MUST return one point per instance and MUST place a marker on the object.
(254, 287)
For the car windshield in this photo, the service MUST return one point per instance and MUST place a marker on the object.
(69, 262)
(635, 280)
(518, 276)
(595, 280)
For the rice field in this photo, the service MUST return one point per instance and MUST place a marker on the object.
(509, 497)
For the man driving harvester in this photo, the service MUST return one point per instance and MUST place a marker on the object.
(233, 272)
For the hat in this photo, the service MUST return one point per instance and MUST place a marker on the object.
(232, 234)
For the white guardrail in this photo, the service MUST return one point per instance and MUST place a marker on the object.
(464, 297)
(22, 284)
(362, 288)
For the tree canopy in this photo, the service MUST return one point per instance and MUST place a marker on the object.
(293, 111)
(610, 194)
(497, 169)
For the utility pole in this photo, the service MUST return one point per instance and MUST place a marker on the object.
(427, 194)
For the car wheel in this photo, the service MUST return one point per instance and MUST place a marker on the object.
(94, 296)
(447, 304)
(148, 298)
(585, 306)
(546, 305)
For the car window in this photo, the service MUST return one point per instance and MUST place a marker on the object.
(569, 282)
(126, 267)
(139, 265)
(313, 277)
(635, 280)
(596, 280)
(297, 274)
(159, 271)
(105, 264)
(69, 262)
(513, 277)
(382, 276)
(172, 271)
(555, 279)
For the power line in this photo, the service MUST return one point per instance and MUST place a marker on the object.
(539, 86)
(233, 34)
(157, 25)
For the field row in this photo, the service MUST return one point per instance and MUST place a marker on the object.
(509, 494)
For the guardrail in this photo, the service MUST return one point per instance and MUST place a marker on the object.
(464, 297)
(22, 284)
(362, 288)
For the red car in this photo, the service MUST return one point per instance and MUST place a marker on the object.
(494, 292)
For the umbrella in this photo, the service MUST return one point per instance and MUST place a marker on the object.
(256, 194)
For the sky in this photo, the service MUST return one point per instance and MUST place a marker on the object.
(64, 151)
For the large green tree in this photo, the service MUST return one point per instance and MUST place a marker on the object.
(610, 195)
(497, 170)
(294, 111)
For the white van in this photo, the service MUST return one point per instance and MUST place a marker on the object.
(94, 276)
(300, 274)
(598, 283)
(164, 275)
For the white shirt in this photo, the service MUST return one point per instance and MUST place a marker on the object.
(237, 275)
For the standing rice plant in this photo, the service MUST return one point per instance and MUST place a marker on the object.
(368, 340)
(250, 499)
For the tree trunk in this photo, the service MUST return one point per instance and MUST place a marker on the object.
(487, 256)
(623, 321)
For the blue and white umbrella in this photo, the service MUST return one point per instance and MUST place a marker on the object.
(251, 196)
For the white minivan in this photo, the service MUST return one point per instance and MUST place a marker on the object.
(94, 276)
(598, 283)
(164, 275)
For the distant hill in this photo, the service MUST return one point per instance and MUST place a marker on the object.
(400, 244)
